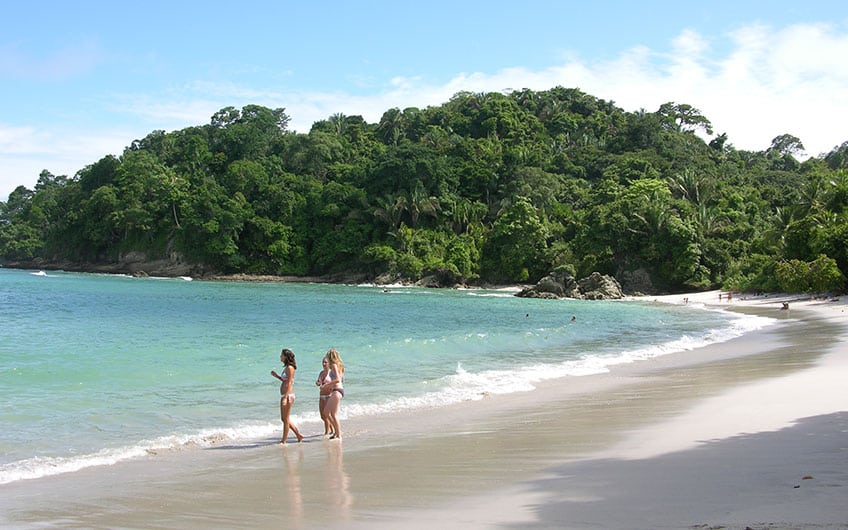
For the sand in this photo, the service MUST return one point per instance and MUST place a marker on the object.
(752, 432)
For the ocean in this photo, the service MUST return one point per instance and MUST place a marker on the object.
(100, 369)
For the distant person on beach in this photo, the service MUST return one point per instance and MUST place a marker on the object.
(335, 387)
(324, 395)
(287, 392)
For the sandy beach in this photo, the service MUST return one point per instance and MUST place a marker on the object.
(748, 433)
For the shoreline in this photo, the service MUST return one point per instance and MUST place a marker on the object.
(574, 463)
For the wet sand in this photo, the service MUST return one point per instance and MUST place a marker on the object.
(716, 437)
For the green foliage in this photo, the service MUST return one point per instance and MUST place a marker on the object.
(380, 258)
(487, 186)
(817, 276)
(752, 273)
(515, 248)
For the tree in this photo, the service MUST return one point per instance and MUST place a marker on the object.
(684, 118)
(20, 238)
(496, 186)
(390, 129)
(514, 251)
(786, 144)
(817, 276)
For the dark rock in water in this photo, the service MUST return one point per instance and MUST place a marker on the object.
(441, 278)
(596, 286)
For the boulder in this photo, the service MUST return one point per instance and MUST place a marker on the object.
(442, 278)
(636, 282)
(596, 286)
(599, 286)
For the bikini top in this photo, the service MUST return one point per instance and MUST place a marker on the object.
(331, 375)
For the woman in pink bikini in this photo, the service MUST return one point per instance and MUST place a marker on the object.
(287, 392)
(334, 386)
(324, 377)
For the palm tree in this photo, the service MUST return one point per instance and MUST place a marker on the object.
(339, 123)
(779, 221)
(390, 128)
(390, 210)
(419, 203)
(691, 186)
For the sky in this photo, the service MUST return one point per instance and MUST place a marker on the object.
(81, 80)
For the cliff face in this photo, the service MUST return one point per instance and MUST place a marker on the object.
(133, 263)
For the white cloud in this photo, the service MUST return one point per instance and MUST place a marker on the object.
(765, 83)
(790, 81)
(26, 151)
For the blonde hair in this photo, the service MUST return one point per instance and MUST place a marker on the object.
(333, 357)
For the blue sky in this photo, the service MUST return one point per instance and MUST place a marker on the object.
(83, 79)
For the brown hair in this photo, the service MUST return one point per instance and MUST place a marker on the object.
(288, 358)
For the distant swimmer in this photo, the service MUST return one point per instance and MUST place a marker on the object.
(574, 319)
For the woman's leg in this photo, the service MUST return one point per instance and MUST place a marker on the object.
(285, 409)
(322, 405)
(332, 409)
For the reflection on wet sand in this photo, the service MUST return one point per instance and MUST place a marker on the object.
(293, 457)
(338, 499)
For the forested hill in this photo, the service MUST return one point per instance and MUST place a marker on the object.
(487, 187)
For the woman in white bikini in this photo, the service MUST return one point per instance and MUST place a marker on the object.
(335, 388)
(287, 392)
(324, 377)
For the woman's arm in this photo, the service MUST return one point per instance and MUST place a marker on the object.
(336, 379)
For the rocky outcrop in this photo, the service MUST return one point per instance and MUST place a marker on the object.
(442, 278)
(599, 286)
(596, 286)
(133, 263)
(636, 282)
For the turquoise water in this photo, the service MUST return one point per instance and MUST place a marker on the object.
(96, 369)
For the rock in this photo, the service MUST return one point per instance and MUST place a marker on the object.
(596, 286)
(636, 282)
(441, 278)
(552, 285)
(387, 279)
(599, 286)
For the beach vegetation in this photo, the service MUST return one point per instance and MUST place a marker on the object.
(486, 187)
(818, 276)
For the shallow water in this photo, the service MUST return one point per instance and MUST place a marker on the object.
(95, 369)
